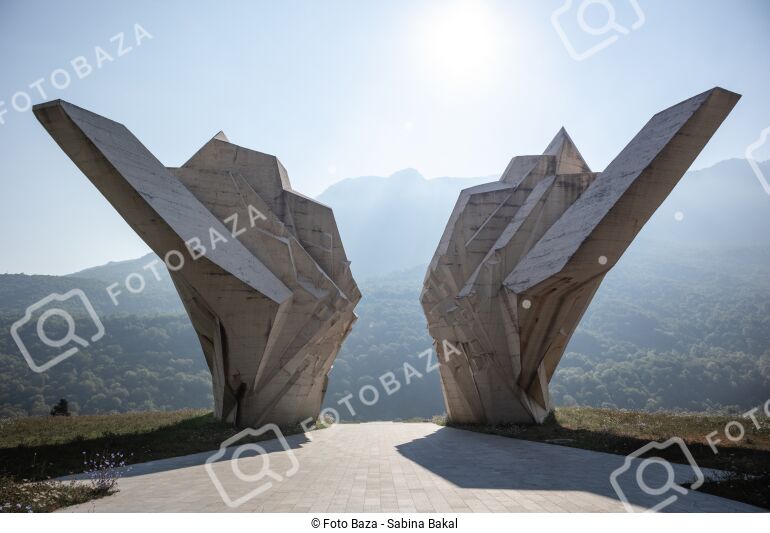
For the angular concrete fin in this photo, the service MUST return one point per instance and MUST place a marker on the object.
(199, 154)
(568, 158)
(269, 315)
(149, 197)
(513, 297)
(259, 169)
(523, 166)
(610, 213)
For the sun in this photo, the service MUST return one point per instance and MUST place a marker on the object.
(459, 41)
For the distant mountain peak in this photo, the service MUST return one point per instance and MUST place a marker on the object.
(407, 174)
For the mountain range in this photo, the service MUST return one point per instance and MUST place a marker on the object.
(394, 223)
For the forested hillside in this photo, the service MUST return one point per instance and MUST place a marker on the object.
(670, 329)
(141, 363)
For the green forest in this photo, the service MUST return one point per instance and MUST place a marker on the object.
(672, 329)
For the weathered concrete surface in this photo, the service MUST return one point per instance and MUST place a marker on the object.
(401, 467)
(521, 258)
(260, 268)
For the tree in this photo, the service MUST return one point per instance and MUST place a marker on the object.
(61, 409)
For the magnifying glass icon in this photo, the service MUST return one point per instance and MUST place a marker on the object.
(70, 337)
(610, 24)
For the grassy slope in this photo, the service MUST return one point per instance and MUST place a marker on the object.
(35, 449)
(38, 448)
(622, 432)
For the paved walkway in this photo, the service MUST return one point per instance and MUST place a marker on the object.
(399, 467)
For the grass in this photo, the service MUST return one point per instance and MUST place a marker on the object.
(44, 496)
(35, 449)
(622, 432)
(42, 430)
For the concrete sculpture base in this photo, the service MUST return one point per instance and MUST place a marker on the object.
(521, 258)
(260, 268)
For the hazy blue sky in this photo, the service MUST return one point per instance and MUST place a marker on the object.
(346, 88)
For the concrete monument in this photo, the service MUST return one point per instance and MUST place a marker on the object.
(260, 268)
(521, 258)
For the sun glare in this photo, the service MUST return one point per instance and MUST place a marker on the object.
(460, 41)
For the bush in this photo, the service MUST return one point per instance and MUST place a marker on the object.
(61, 409)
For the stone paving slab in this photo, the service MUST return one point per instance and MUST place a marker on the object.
(399, 467)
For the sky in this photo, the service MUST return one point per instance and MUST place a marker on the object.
(339, 89)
